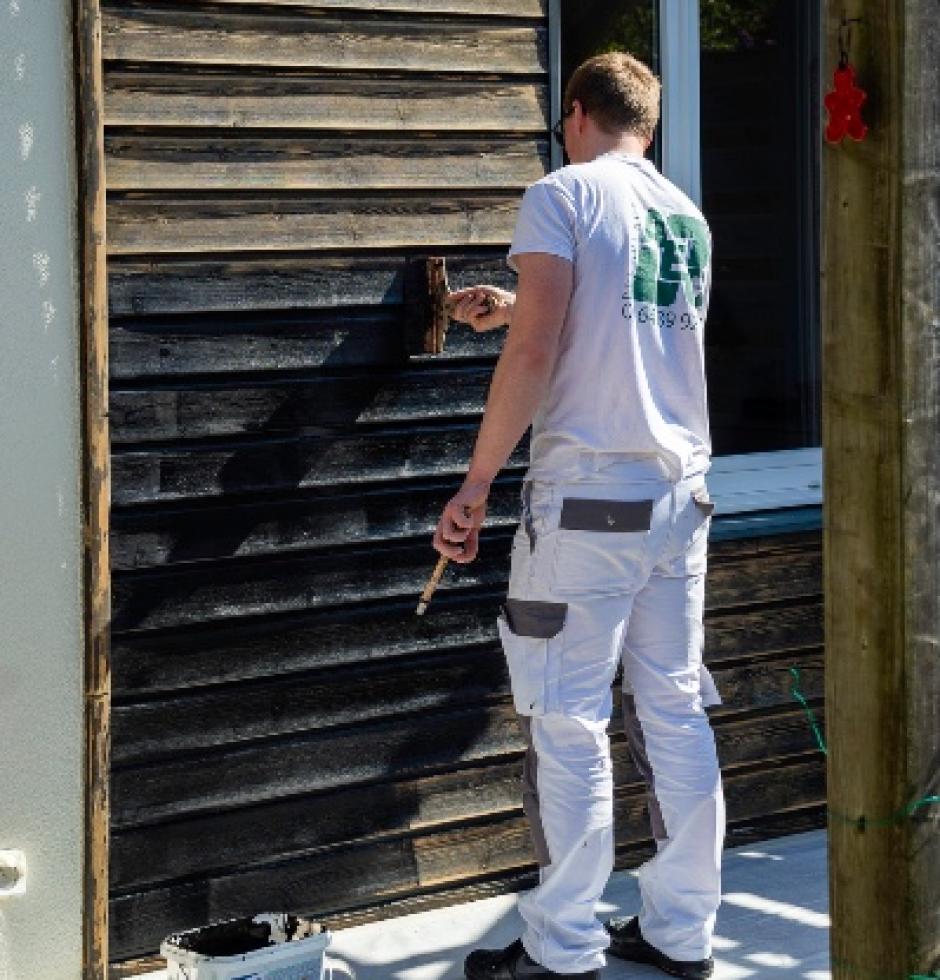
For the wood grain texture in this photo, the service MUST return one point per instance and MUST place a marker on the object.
(282, 829)
(225, 163)
(208, 720)
(226, 591)
(95, 485)
(269, 465)
(171, 285)
(334, 878)
(296, 38)
(881, 416)
(920, 467)
(324, 101)
(148, 224)
(218, 345)
(489, 8)
(299, 406)
(151, 664)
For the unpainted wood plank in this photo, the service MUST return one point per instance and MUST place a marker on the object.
(150, 224)
(94, 481)
(297, 38)
(174, 285)
(280, 100)
(478, 8)
(226, 163)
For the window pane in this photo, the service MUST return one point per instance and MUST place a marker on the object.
(590, 27)
(759, 194)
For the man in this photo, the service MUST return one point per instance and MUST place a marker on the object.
(604, 356)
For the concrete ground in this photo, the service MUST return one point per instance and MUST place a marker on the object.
(773, 923)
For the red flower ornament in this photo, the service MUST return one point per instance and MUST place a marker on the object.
(844, 104)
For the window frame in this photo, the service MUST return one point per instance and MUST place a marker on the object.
(745, 482)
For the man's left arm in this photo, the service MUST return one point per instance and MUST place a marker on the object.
(519, 383)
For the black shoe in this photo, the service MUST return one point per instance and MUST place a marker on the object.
(514, 963)
(627, 942)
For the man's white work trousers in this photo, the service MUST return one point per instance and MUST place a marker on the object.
(606, 567)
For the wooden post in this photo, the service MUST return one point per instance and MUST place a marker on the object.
(881, 438)
(96, 479)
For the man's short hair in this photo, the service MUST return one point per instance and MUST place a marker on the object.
(618, 91)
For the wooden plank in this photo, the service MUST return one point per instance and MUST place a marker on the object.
(185, 722)
(223, 344)
(310, 763)
(296, 406)
(152, 600)
(881, 416)
(321, 639)
(338, 878)
(278, 465)
(221, 592)
(191, 163)
(95, 492)
(162, 537)
(246, 99)
(314, 282)
(479, 8)
(281, 829)
(374, 633)
(148, 224)
(295, 38)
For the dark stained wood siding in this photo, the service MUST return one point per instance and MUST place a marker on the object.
(286, 733)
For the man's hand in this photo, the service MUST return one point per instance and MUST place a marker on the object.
(470, 306)
(458, 531)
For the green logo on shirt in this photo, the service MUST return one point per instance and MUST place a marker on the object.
(673, 252)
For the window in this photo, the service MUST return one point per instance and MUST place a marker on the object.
(739, 133)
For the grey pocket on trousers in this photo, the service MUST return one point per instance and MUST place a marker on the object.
(585, 514)
(531, 617)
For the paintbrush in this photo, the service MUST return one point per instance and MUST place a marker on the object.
(432, 584)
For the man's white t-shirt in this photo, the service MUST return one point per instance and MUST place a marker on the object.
(630, 374)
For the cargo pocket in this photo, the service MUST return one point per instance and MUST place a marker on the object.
(602, 545)
(526, 627)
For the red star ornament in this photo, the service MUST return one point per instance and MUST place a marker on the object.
(844, 104)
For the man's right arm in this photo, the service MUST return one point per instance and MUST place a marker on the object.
(483, 307)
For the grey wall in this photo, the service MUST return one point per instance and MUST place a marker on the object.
(40, 611)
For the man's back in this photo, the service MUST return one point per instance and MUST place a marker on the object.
(630, 373)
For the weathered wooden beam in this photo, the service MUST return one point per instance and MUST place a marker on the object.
(221, 162)
(323, 100)
(881, 431)
(299, 39)
(95, 482)
(149, 223)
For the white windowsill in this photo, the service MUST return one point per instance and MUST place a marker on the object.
(764, 481)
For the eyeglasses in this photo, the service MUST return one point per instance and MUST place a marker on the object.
(558, 130)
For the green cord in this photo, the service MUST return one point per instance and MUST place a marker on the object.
(861, 822)
(798, 694)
